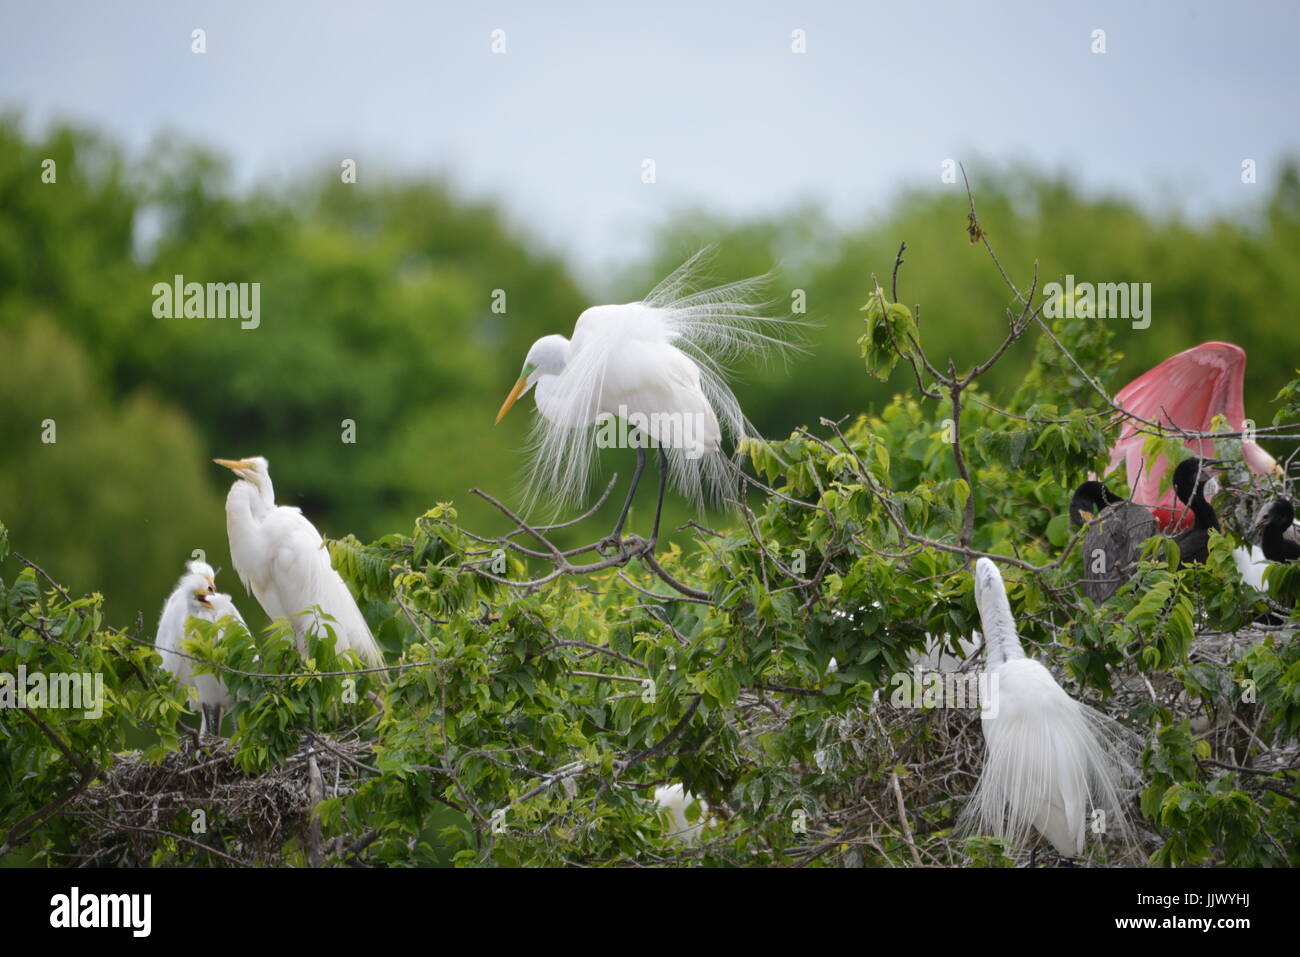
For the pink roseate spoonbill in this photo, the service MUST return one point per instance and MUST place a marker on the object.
(1185, 391)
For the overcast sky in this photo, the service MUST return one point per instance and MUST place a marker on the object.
(559, 125)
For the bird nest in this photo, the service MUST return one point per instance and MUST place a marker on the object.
(900, 776)
(197, 806)
(906, 772)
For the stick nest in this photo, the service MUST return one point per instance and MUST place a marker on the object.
(146, 812)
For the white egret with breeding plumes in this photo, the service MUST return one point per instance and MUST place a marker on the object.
(1051, 763)
(659, 367)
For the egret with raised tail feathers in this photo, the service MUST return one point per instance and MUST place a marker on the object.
(282, 560)
(659, 365)
(1050, 762)
(195, 596)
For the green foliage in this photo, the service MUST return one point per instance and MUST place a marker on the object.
(1274, 675)
(1289, 397)
(376, 307)
(891, 330)
(529, 724)
(114, 483)
(1212, 818)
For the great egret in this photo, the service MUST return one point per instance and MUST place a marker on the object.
(1190, 481)
(1251, 564)
(674, 801)
(1051, 763)
(282, 560)
(1186, 391)
(195, 596)
(1111, 546)
(657, 366)
(1278, 532)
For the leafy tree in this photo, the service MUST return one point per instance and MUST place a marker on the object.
(377, 307)
(532, 709)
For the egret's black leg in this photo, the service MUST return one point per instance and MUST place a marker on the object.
(617, 534)
(659, 506)
(210, 720)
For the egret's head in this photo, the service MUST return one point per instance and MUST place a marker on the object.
(999, 624)
(548, 356)
(990, 592)
(255, 470)
(198, 587)
(202, 570)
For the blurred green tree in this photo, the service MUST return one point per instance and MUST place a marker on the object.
(377, 309)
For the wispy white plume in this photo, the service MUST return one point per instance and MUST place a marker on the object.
(1051, 763)
(661, 363)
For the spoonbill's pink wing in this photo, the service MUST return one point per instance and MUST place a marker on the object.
(1185, 391)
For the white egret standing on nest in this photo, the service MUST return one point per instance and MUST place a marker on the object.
(657, 365)
(1050, 763)
(282, 560)
(195, 596)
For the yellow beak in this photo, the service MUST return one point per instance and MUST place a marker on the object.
(512, 398)
(231, 464)
(1086, 516)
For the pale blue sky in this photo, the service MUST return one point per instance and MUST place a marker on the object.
(557, 128)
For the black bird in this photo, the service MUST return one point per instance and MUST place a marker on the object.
(1189, 485)
(1116, 530)
(1280, 538)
